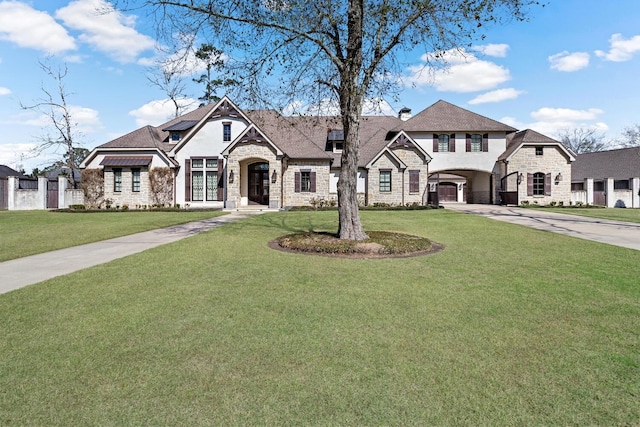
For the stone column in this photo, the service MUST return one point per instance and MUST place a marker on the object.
(42, 192)
(608, 186)
(588, 186)
(62, 187)
(12, 184)
(635, 192)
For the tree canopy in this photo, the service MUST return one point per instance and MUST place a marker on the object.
(344, 51)
(582, 140)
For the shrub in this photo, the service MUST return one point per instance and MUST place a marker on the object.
(77, 207)
(161, 186)
(93, 187)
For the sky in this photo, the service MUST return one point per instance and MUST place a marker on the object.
(574, 64)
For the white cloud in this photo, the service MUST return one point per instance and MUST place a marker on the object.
(14, 155)
(565, 61)
(497, 95)
(551, 121)
(498, 50)
(463, 72)
(621, 49)
(4, 91)
(106, 29)
(159, 111)
(27, 27)
(84, 120)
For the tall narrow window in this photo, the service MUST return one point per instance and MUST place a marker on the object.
(414, 181)
(476, 143)
(212, 185)
(385, 181)
(538, 184)
(135, 180)
(197, 180)
(226, 132)
(117, 180)
(305, 181)
(443, 143)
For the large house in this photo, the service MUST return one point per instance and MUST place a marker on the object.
(221, 156)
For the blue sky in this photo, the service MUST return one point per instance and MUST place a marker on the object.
(575, 64)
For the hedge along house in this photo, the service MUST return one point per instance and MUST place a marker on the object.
(535, 169)
(223, 157)
(219, 156)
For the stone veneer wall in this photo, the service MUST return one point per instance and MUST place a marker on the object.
(134, 200)
(320, 167)
(237, 158)
(552, 161)
(399, 193)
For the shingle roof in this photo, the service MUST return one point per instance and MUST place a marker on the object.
(6, 171)
(445, 117)
(623, 163)
(527, 136)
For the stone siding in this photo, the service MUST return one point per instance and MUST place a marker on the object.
(238, 159)
(552, 161)
(399, 194)
(321, 168)
(134, 200)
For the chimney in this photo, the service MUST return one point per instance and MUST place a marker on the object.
(404, 114)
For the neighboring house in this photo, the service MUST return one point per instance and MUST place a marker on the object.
(6, 171)
(221, 156)
(607, 178)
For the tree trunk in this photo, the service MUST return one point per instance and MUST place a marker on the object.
(351, 93)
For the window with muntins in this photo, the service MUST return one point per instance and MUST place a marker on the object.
(538, 184)
(443, 143)
(476, 143)
(135, 180)
(385, 181)
(539, 151)
(414, 181)
(204, 179)
(305, 181)
(226, 132)
(117, 180)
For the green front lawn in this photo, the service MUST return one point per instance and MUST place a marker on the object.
(616, 214)
(506, 326)
(24, 233)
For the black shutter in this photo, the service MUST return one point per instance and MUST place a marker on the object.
(296, 178)
(529, 184)
(468, 143)
(485, 143)
(220, 180)
(187, 180)
(547, 184)
(452, 143)
(414, 181)
(435, 143)
(312, 182)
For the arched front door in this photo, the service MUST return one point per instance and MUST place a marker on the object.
(259, 183)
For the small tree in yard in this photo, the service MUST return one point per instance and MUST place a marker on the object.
(161, 183)
(93, 187)
(345, 51)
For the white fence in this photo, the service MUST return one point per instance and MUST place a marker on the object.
(41, 197)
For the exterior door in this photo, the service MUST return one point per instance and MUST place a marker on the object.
(448, 192)
(259, 183)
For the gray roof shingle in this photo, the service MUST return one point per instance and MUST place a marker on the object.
(621, 164)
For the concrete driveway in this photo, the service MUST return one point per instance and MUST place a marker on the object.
(25, 271)
(625, 234)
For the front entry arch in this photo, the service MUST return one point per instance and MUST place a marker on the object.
(258, 183)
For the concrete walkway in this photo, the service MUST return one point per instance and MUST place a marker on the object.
(618, 233)
(26, 271)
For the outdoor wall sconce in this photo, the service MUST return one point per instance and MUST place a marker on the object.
(558, 178)
(274, 177)
(520, 178)
(231, 176)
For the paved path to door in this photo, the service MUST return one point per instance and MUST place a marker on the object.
(618, 233)
(26, 271)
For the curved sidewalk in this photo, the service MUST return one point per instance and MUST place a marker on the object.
(618, 233)
(17, 273)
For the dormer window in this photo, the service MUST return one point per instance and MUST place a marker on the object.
(337, 146)
(226, 131)
(175, 136)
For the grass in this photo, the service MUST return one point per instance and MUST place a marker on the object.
(24, 233)
(506, 326)
(616, 214)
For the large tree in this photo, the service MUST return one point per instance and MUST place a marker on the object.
(346, 51)
(61, 130)
(630, 136)
(582, 140)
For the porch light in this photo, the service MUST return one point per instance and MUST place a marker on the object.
(274, 177)
(520, 178)
(231, 176)
(558, 177)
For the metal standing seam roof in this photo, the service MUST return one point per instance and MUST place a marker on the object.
(126, 161)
